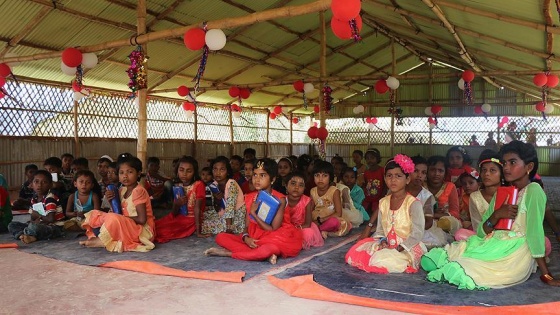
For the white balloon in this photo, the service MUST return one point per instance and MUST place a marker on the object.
(371, 126)
(355, 110)
(461, 84)
(71, 71)
(137, 101)
(236, 114)
(393, 83)
(281, 104)
(78, 96)
(215, 39)
(428, 111)
(548, 109)
(11, 55)
(432, 126)
(486, 108)
(189, 113)
(360, 108)
(308, 87)
(89, 60)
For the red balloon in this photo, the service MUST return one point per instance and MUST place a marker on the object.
(277, 110)
(374, 120)
(467, 76)
(431, 120)
(540, 107)
(234, 91)
(342, 30)
(346, 10)
(2, 82)
(540, 79)
(235, 108)
(436, 109)
(183, 91)
(195, 38)
(244, 93)
(368, 120)
(75, 86)
(272, 116)
(298, 86)
(71, 57)
(316, 109)
(552, 81)
(478, 110)
(381, 86)
(2, 95)
(312, 132)
(501, 125)
(188, 106)
(5, 70)
(322, 133)
(295, 120)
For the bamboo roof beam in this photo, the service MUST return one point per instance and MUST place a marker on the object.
(266, 15)
(462, 49)
(422, 103)
(132, 7)
(467, 31)
(28, 28)
(549, 37)
(494, 16)
(165, 13)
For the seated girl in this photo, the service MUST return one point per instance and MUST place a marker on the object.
(176, 225)
(328, 204)
(47, 217)
(447, 212)
(228, 212)
(300, 207)
(134, 229)
(491, 175)
(500, 258)
(262, 241)
(397, 244)
(470, 184)
(356, 192)
(284, 168)
(82, 200)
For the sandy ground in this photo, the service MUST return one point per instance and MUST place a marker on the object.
(33, 283)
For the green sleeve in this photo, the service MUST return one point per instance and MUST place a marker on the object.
(480, 231)
(535, 203)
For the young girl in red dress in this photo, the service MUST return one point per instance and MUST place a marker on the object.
(458, 162)
(260, 240)
(175, 225)
(374, 186)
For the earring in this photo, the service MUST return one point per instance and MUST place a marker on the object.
(528, 172)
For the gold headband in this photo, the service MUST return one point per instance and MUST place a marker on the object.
(491, 160)
(260, 165)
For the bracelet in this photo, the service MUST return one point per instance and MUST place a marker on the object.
(243, 236)
(489, 224)
(546, 278)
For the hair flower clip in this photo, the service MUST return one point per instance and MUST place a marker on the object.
(405, 163)
(475, 174)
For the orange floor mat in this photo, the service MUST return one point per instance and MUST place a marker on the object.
(9, 245)
(305, 287)
(157, 269)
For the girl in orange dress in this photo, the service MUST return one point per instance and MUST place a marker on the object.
(175, 225)
(261, 241)
(134, 230)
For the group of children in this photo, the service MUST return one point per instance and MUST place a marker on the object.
(411, 205)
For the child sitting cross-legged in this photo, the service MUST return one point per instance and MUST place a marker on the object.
(47, 217)
(82, 200)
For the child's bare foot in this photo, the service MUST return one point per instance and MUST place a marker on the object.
(272, 259)
(324, 235)
(94, 242)
(216, 251)
(27, 238)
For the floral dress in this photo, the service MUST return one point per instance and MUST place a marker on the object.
(214, 220)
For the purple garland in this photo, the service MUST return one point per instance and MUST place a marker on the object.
(395, 111)
(355, 32)
(468, 93)
(79, 77)
(201, 68)
(136, 71)
(327, 99)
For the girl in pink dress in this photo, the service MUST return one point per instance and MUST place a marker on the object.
(300, 207)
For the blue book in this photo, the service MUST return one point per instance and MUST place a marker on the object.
(268, 206)
(179, 192)
(115, 202)
(214, 189)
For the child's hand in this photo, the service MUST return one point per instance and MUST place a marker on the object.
(181, 201)
(251, 242)
(554, 282)
(218, 196)
(254, 208)
(506, 212)
(109, 195)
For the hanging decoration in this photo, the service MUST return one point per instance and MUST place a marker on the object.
(299, 86)
(358, 109)
(316, 109)
(327, 98)
(433, 111)
(393, 83)
(239, 93)
(432, 123)
(72, 57)
(136, 71)
(201, 68)
(347, 29)
(235, 110)
(503, 122)
(372, 123)
(189, 109)
(545, 81)
(467, 76)
(346, 22)
(295, 120)
(381, 86)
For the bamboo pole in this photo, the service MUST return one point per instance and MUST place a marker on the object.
(266, 149)
(195, 136)
(549, 37)
(393, 70)
(28, 28)
(283, 12)
(323, 70)
(431, 95)
(291, 134)
(142, 144)
(231, 137)
(76, 135)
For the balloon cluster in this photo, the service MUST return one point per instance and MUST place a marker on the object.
(320, 133)
(240, 93)
(235, 110)
(372, 123)
(432, 122)
(277, 111)
(73, 64)
(393, 84)
(189, 109)
(545, 81)
(5, 71)
(202, 38)
(137, 71)
(358, 109)
(465, 84)
(433, 111)
(346, 22)
(504, 122)
(304, 88)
